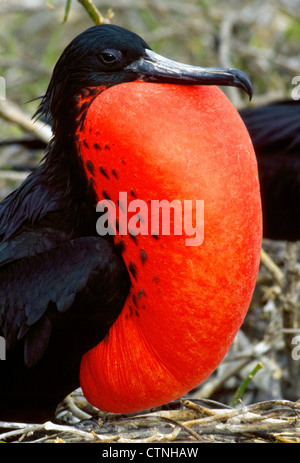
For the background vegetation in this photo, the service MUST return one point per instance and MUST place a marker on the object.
(259, 37)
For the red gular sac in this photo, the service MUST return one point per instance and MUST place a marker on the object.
(186, 303)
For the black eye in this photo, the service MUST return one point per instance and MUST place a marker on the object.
(110, 57)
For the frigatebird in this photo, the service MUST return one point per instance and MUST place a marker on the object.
(62, 286)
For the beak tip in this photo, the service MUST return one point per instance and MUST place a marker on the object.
(250, 92)
(242, 81)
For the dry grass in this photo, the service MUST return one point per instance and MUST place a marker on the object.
(183, 421)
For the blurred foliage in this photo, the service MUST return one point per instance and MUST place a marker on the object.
(259, 37)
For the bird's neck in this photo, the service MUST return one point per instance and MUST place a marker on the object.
(68, 111)
(65, 181)
(63, 162)
(63, 169)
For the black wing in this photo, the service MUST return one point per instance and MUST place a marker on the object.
(275, 133)
(61, 289)
(36, 290)
(274, 128)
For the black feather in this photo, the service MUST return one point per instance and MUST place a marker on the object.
(275, 132)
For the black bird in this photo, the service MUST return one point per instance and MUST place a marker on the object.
(275, 133)
(61, 285)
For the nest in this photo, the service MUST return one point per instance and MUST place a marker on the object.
(184, 421)
(253, 396)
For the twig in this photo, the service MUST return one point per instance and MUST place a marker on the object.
(12, 175)
(23, 428)
(76, 411)
(94, 13)
(225, 52)
(271, 266)
(67, 11)
(12, 113)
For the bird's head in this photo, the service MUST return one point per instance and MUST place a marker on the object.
(107, 55)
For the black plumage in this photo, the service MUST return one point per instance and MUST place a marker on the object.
(275, 133)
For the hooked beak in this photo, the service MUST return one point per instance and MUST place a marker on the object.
(155, 68)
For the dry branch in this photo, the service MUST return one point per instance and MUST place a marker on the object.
(185, 421)
(12, 113)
